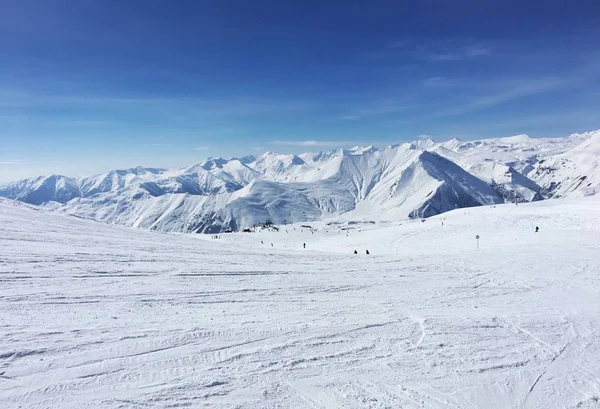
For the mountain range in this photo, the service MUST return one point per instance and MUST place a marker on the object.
(415, 180)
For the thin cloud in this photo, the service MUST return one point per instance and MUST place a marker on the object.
(433, 81)
(379, 107)
(434, 51)
(202, 148)
(80, 122)
(477, 51)
(181, 108)
(13, 162)
(445, 82)
(518, 90)
(455, 53)
(399, 43)
(315, 143)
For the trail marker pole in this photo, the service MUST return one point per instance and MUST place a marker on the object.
(477, 237)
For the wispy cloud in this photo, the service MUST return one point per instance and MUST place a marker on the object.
(434, 51)
(81, 122)
(381, 106)
(202, 148)
(182, 108)
(13, 162)
(558, 123)
(453, 53)
(477, 50)
(473, 95)
(399, 43)
(433, 81)
(315, 143)
(512, 91)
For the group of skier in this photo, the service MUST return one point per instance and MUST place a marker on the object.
(304, 246)
(537, 229)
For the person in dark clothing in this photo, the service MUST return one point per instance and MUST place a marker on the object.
(537, 229)
(355, 252)
(367, 251)
(304, 245)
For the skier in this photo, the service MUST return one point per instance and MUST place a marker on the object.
(355, 252)
(537, 229)
(367, 252)
(262, 242)
(304, 245)
(271, 244)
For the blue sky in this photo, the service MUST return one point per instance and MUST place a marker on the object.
(91, 85)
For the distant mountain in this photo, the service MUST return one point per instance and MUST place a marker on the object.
(42, 189)
(425, 185)
(416, 179)
(574, 172)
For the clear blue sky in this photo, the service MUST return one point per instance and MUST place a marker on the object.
(91, 85)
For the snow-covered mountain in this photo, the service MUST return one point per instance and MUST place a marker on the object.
(534, 168)
(42, 189)
(417, 179)
(575, 172)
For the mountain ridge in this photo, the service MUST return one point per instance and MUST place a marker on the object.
(413, 179)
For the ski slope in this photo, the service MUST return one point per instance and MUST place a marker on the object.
(99, 316)
(501, 228)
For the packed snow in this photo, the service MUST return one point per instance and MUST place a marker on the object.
(99, 316)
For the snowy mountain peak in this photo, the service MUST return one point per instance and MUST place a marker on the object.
(42, 189)
(246, 159)
(138, 170)
(212, 163)
(589, 146)
(422, 143)
(361, 150)
(516, 139)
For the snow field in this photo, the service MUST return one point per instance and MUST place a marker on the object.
(101, 316)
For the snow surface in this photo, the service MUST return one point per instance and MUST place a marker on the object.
(99, 316)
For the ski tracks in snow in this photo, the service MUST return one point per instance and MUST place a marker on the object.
(132, 319)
